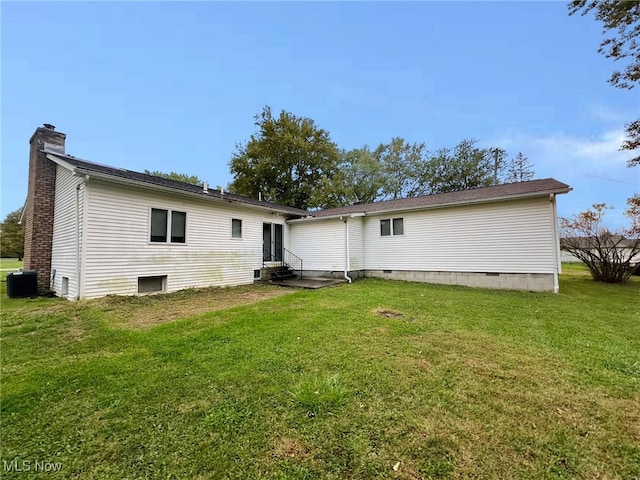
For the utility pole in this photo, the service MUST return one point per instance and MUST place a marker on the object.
(498, 154)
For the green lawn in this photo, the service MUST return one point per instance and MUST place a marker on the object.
(10, 263)
(343, 382)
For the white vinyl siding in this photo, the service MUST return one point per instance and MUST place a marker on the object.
(118, 250)
(320, 244)
(509, 237)
(65, 234)
(356, 243)
(566, 257)
(112, 227)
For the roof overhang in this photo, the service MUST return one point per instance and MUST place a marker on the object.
(89, 174)
(461, 203)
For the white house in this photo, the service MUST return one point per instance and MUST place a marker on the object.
(93, 230)
(498, 237)
(614, 248)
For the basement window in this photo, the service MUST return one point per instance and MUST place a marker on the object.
(64, 290)
(390, 227)
(168, 224)
(152, 284)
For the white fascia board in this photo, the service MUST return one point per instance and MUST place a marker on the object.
(24, 209)
(54, 158)
(328, 217)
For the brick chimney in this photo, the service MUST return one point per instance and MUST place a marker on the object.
(38, 217)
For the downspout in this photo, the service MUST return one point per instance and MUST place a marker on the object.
(556, 243)
(346, 248)
(78, 241)
(78, 264)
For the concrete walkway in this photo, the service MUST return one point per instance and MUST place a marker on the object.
(310, 282)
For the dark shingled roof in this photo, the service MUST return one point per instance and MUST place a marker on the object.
(476, 195)
(86, 167)
(604, 241)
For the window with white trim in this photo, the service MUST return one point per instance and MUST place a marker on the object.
(236, 228)
(168, 226)
(391, 226)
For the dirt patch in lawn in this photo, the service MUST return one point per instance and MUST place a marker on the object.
(151, 310)
(290, 448)
(387, 312)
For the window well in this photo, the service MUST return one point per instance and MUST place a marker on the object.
(152, 284)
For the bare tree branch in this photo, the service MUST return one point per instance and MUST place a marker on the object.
(610, 256)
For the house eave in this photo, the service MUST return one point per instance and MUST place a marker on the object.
(433, 207)
(130, 182)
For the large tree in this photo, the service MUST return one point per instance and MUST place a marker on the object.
(360, 178)
(180, 177)
(621, 21)
(289, 160)
(12, 236)
(403, 165)
(463, 167)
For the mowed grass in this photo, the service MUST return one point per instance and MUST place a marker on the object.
(7, 264)
(378, 379)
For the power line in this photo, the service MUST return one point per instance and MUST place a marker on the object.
(609, 179)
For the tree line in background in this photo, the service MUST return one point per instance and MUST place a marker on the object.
(292, 161)
(12, 236)
(178, 177)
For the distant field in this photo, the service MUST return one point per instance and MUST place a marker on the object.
(10, 263)
(378, 379)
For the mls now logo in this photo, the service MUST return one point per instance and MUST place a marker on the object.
(16, 465)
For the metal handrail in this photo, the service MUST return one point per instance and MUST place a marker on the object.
(289, 260)
(293, 261)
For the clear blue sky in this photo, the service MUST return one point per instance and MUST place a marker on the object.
(174, 86)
